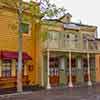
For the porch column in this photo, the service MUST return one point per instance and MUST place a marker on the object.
(48, 70)
(62, 71)
(0, 67)
(70, 72)
(79, 70)
(89, 77)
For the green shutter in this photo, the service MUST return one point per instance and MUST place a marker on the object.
(25, 28)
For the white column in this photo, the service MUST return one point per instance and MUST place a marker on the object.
(89, 77)
(48, 71)
(70, 84)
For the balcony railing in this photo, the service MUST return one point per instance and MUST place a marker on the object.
(70, 45)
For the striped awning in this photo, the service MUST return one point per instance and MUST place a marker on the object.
(7, 55)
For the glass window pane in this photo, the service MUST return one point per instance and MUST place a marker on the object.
(25, 28)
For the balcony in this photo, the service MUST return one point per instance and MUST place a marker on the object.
(71, 45)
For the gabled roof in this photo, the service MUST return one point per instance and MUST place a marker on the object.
(68, 14)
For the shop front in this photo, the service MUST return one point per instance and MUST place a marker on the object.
(8, 69)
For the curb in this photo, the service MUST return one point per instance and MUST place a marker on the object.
(15, 94)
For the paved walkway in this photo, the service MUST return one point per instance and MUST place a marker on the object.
(76, 93)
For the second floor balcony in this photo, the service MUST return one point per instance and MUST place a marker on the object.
(78, 44)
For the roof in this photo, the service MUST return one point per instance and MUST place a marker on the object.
(68, 14)
(80, 24)
(71, 25)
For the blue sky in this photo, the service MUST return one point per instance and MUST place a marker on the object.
(86, 11)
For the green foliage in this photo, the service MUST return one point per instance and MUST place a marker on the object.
(51, 10)
(34, 9)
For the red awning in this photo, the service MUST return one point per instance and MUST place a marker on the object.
(0, 55)
(13, 55)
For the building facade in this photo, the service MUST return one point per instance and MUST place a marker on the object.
(9, 48)
(70, 53)
(68, 56)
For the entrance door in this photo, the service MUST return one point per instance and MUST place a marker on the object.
(54, 71)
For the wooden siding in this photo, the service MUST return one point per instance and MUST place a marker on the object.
(9, 41)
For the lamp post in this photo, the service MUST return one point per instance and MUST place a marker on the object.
(19, 68)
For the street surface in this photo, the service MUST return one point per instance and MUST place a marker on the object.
(76, 93)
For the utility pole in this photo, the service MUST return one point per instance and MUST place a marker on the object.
(19, 68)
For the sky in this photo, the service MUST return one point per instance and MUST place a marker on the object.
(86, 11)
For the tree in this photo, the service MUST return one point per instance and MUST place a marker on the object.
(48, 10)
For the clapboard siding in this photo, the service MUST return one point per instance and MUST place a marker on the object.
(9, 35)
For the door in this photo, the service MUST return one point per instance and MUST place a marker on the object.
(54, 71)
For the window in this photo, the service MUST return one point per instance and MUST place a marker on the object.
(25, 28)
(68, 36)
(85, 63)
(73, 62)
(53, 35)
(76, 37)
(6, 69)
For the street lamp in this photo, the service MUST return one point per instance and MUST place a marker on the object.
(19, 68)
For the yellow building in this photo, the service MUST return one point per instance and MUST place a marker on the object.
(9, 48)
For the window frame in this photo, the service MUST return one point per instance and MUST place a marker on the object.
(29, 29)
(4, 73)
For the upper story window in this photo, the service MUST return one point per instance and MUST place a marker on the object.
(25, 28)
(68, 36)
(76, 37)
(53, 35)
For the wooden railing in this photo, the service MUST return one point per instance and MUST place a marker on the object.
(73, 45)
